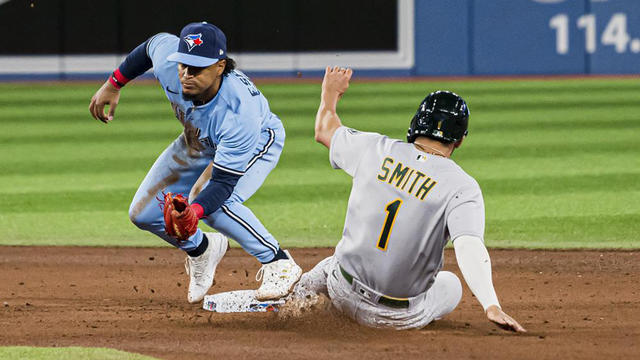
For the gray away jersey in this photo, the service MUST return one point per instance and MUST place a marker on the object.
(404, 206)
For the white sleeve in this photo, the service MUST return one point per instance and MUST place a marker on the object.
(475, 265)
(348, 146)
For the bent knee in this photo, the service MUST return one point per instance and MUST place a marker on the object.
(139, 217)
(135, 219)
(452, 286)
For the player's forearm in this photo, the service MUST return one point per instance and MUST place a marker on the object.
(334, 85)
(215, 193)
(327, 121)
(134, 65)
(475, 265)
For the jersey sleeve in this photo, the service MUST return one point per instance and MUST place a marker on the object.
(466, 212)
(159, 47)
(236, 144)
(348, 146)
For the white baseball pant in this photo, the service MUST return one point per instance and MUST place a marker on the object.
(439, 300)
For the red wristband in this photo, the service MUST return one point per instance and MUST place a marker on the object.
(198, 209)
(117, 79)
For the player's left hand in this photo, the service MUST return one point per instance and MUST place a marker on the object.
(500, 318)
(106, 95)
(180, 220)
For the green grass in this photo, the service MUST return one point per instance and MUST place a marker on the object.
(558, 161)
(67, 353)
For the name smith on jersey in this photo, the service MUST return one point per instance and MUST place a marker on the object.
(402, 176)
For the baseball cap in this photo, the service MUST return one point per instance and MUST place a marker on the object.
(201, 44)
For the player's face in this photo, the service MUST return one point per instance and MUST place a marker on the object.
(200, 83)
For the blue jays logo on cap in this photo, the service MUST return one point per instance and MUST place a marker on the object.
(202, 44)
(193, 40)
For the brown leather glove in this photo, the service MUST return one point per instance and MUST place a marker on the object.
(180, 220)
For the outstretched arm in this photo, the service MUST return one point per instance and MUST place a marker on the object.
(475, 265)
(334, 84)
(135, 64)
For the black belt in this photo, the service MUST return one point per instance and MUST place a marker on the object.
(383, 300)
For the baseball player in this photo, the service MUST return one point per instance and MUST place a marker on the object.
(407, 200)
(227, 122)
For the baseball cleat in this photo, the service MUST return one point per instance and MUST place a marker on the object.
(278, 278)
(202, 269)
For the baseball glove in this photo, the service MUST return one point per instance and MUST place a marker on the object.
(180, 221)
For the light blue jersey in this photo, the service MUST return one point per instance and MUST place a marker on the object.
(236, 130)
(231, 123)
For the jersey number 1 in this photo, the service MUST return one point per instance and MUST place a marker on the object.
(392, 211)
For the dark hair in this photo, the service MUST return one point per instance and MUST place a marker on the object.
(230, 65)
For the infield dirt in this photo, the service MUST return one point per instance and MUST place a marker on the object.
(575, 304)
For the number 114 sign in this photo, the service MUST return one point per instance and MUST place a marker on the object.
(614, 34)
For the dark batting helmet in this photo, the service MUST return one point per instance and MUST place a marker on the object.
(442, 115)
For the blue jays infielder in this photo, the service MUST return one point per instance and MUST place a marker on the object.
(228, 122)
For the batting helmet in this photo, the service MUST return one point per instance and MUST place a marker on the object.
(442, 115)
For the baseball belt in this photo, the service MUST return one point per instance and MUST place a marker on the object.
(399, 303)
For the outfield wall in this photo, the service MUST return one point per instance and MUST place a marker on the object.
(498, 37)
(78, 39)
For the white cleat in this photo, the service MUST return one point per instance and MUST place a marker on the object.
(202, 269)
(278, 278)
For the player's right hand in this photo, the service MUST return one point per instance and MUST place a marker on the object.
(500, 318)
(336, 80)
(106, 95)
